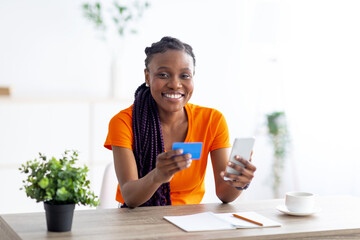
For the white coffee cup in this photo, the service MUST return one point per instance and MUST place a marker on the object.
(299, 202)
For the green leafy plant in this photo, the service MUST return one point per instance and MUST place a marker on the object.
(58, 181)
(278, 133)
(120, 14)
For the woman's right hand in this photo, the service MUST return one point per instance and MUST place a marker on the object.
(136, 191)
(170, 162)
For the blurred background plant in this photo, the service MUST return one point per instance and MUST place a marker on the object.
(122, 14)
(114, 20)
(278, 134)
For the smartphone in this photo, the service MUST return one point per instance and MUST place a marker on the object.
(194, 148)
(242, 147)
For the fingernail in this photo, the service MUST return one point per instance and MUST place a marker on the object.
(188, 163)
(180, 151)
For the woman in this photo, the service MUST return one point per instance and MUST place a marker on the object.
(149, 172)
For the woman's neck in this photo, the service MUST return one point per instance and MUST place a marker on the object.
(173, 118)
(174, 127)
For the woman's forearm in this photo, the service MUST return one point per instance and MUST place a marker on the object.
(226, 193)
(138, 191)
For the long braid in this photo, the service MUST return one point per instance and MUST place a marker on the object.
(148, 141)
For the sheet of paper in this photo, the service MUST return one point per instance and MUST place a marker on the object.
(206, 221)
(239, 223)
(209, 221)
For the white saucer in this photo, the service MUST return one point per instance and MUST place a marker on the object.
(283, 209)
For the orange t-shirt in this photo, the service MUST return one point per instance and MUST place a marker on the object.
(206, 125)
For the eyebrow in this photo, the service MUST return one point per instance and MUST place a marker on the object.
(183, 69)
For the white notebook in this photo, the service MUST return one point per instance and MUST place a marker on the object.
(209, 221)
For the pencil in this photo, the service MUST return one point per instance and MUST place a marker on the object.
(249, 220)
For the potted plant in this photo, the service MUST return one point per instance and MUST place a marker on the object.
(60, 184)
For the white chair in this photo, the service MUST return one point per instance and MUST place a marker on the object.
(108, 188)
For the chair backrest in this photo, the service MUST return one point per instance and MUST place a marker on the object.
(108, 188)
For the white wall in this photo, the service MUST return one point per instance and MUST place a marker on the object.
(253, 57)
(321, 63)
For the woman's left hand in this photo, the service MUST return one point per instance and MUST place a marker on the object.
(246, 173)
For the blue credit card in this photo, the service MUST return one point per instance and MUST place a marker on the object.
(194, 148)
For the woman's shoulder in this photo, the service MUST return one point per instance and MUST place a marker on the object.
(197, 109)
(126, 111)
(124, 114)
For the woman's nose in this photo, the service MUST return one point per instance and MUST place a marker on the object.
(174, 83)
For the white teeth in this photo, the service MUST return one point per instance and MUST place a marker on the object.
(173, 95)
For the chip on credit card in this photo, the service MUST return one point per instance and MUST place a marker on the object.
(194, 148)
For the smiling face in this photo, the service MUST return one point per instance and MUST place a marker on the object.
(170, 77)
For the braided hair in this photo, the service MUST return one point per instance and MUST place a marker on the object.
(147, 134)
(167, 43)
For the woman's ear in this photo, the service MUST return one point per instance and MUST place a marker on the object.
(147, 76)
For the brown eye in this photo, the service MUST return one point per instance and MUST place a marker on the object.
(163, 75)
(186, 76)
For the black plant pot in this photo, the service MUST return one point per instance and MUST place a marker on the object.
(59, 217)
